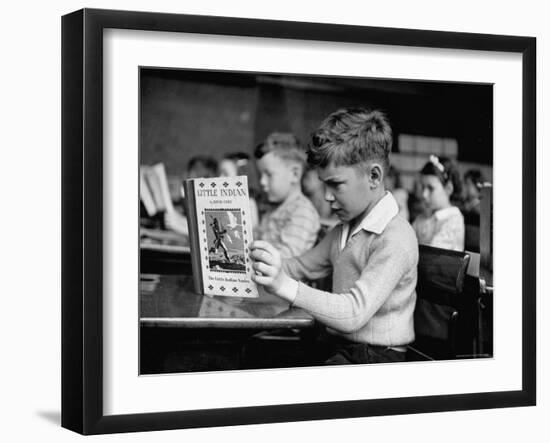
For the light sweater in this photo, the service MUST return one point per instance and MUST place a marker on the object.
(374, 278)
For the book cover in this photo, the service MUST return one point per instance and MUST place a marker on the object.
(220, 232)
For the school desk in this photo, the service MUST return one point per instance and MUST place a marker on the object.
(183, 331)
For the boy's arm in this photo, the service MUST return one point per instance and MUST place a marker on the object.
(387, 265)
(389, 262)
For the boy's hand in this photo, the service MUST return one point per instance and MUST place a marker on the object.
(267, 263)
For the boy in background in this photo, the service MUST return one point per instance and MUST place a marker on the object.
(292, 226)
(372, 254)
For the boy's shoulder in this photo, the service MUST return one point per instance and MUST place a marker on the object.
(400, 234)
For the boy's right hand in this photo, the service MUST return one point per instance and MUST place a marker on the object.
(268, 264)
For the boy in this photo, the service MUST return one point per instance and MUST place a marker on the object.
(373, 253)
(293, 225)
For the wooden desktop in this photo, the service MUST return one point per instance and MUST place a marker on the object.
(182, 331)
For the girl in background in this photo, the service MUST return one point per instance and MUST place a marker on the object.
(442, 225)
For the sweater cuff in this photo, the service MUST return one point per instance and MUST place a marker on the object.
(289, 290)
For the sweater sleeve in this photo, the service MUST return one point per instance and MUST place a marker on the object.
(388, 262)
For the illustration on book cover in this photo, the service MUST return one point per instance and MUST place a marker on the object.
(220, 234)
(225, 239)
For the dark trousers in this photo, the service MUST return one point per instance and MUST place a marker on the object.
(339, 351)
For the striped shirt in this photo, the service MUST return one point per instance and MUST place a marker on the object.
(292, 227)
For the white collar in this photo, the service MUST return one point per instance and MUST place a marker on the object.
(376, 220)
(445, 213)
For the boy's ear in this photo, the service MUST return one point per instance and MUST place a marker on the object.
(376, 174)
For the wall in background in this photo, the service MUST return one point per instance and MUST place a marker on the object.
(185, 113)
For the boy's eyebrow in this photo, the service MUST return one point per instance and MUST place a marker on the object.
(332, 179)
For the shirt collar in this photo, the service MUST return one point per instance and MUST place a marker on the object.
(378, 218)
(445, 213)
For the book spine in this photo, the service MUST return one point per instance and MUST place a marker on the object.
(193, 224)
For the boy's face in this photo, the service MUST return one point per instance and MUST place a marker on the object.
(278, 177)
(348, 189)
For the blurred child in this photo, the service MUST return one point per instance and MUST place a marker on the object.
(473, 181)
(372, 254)
(199, 166)
(416, 205)
(393, 184)
(442, 225)
(314, 189)
(238, 163)
(293, 225)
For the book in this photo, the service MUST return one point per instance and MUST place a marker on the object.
(220, 233)
(145, 193)
(154, 184)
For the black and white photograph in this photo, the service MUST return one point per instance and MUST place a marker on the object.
(370, 205)
(393, 173)
(277, 221)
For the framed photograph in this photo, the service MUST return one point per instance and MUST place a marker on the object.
(151, 101)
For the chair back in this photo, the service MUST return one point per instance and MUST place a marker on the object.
(441, 275)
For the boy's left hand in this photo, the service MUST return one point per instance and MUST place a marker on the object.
(268, 265)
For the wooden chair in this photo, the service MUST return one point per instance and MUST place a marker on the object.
(442, 312)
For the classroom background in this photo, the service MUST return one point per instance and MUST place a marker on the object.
(185, 113)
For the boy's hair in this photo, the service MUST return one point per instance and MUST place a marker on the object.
(207, 166)
(447, 171)
(284, 145)
(351, 137)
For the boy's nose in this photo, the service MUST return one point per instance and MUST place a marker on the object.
(329, 196)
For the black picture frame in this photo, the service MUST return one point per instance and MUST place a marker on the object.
(82, 220)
